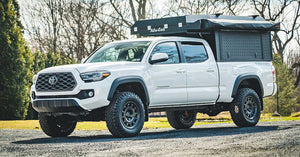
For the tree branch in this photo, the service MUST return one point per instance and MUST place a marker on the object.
(119, 13)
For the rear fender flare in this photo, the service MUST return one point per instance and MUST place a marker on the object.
(241, 78)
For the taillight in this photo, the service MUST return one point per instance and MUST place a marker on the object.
(274, 74)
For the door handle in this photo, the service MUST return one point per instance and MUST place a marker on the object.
(210, 70)
(180, 71)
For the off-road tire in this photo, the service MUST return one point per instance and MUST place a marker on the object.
(125, 109)
(60, 126)
(181, 119)
(245, 109)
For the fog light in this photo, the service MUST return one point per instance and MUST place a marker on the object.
(91, 93)
(33, 95)
(84, 94)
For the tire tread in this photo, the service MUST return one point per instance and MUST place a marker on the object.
(111, 115)
(238, 118)
(173, 119)
(49, 127)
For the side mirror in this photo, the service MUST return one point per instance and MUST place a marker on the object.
(159, 57)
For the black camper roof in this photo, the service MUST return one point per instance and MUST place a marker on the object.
(191, 24)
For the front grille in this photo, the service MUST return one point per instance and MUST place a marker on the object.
(64, 81)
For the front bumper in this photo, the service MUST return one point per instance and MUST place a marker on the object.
(62, 105)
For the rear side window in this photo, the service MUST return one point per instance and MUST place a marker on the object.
(194, 52)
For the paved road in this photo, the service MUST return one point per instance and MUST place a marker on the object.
(266, 139)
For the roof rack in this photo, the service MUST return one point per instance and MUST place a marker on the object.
(195, 24)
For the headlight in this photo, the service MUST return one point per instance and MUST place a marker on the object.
(94, 76)
(34, 78)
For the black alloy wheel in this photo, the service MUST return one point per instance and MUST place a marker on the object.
(130, 115)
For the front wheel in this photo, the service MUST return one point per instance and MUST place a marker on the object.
(181, 119)
(125, 115)
(246, 108)
(60, 126)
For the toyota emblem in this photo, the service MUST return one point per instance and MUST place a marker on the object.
(53, 80)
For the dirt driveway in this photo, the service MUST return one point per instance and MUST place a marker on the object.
(266, 139)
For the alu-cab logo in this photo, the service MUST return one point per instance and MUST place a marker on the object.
(53, 80)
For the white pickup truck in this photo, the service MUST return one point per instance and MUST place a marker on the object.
(123, 81)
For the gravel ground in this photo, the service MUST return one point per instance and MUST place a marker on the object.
(266, 139)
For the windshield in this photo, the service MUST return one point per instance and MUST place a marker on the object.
(123, 51)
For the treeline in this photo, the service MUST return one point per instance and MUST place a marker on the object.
(65, 31)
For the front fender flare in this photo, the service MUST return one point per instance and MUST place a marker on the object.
(127, 79)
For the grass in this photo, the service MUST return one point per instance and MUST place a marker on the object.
(153, 123)
(296, 114)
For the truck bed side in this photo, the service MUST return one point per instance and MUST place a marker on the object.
(230, 72)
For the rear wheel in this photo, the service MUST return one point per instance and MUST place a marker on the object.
(125, 115)
(60, 126)
(181, 119)
(246, 108)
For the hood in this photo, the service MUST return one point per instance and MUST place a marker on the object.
(88, 67)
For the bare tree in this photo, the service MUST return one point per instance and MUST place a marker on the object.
(41, 32)
(294, 60)
(74, 28)
(80, 31)
(189, 7)
(137, 9)
(298, 37)
(131, 11)
(273, 10)
(53, 6)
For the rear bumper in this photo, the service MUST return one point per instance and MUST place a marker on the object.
(61, 105)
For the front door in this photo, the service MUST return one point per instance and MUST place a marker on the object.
(168, 79)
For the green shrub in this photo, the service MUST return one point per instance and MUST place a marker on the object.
(286, 92)
(15, 63)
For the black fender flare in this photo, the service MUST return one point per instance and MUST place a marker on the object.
(130, 79)
(243, 77)
(127, 79)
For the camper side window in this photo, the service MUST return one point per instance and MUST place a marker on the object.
(194, 52)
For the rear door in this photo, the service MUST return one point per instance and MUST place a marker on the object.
(202, 73)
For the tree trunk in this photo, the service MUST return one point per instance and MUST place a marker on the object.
(297, 80)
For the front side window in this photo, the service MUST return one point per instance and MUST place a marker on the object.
(170, 49)
(194, 52)
(123, 51)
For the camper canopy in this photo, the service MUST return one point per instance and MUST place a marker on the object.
(195, 24)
